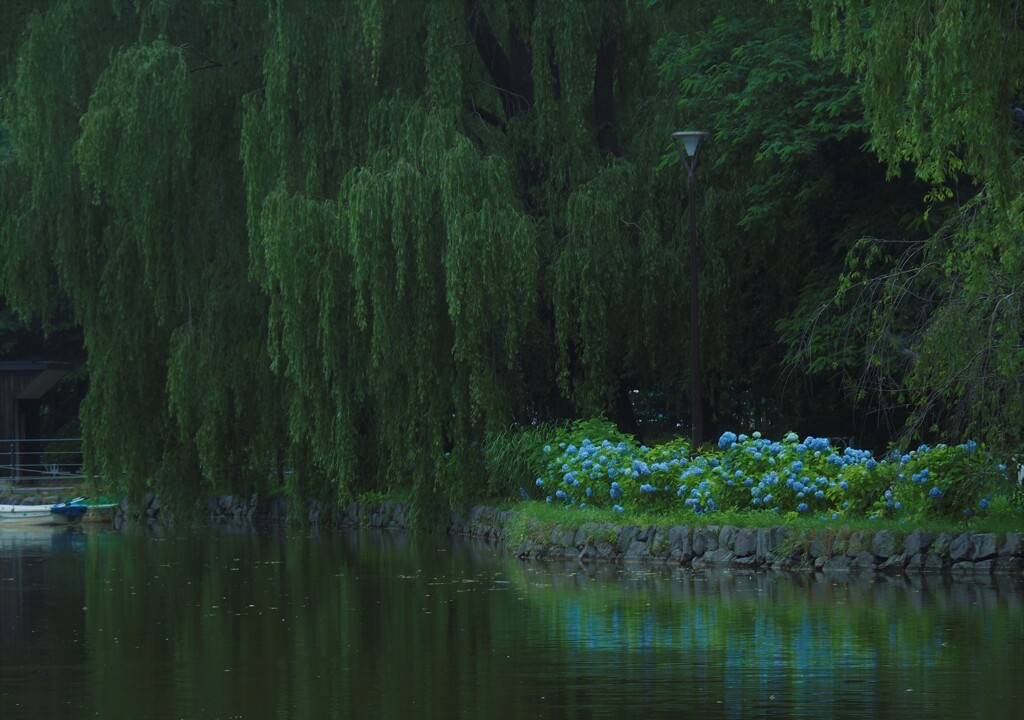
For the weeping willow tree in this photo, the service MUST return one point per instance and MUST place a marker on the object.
(346, 238)
(123, 189)
(455, 212)
(354, 239)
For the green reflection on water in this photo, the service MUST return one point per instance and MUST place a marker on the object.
(363, 625)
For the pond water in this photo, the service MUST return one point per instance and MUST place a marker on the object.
(367, 624)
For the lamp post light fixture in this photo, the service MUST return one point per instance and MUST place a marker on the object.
(688, 142)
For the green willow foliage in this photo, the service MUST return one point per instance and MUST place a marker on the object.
(939, 79)
(449, 234)
(943, 333)
(343, 238)
(123, 194)
(324, 243)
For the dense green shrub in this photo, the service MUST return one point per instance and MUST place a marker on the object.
(591, 464)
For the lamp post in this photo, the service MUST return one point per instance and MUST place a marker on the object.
(688, 142)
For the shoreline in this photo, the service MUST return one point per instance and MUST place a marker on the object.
(889, 552)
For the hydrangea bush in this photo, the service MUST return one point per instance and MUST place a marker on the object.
(591, 464)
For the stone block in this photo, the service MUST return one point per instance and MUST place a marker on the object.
(679, 543)
(726, 536)
(884, 544)
(816, 549)
(658, 544)
(705, 539)
(983, 546)
(627, 534)
(837, 564)
(1011, 545)
(1011, 564)
(984, 566)
(894, 564)
(864, 560)
(745, 543)
(605, 550)
(637, 550)
(767, 541)
(857, 543)
(961, 548)
(933, 562)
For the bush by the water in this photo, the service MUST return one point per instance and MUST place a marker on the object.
(591, 464)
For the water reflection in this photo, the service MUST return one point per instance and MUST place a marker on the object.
(364, 624)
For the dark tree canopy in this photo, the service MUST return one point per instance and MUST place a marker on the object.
(333, 243)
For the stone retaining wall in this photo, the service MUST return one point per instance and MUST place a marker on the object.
(778, 548)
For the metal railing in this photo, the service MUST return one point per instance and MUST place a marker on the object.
(41, 461)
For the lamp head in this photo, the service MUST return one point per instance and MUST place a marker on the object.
(690, 140)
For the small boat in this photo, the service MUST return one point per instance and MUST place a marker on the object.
(59, 514)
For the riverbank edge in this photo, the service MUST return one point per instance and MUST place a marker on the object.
(698, 547)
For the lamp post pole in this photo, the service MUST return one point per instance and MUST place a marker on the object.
(689, 152)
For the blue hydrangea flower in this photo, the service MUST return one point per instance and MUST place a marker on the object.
(639, 466)
(727, 440)
(802, 508)
(935, 493)
(617, 508)
(540, 482)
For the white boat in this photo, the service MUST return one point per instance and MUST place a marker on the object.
(59, 514)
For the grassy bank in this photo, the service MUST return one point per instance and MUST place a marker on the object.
(590, 472)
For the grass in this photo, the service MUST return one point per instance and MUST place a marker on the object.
(548, 515)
